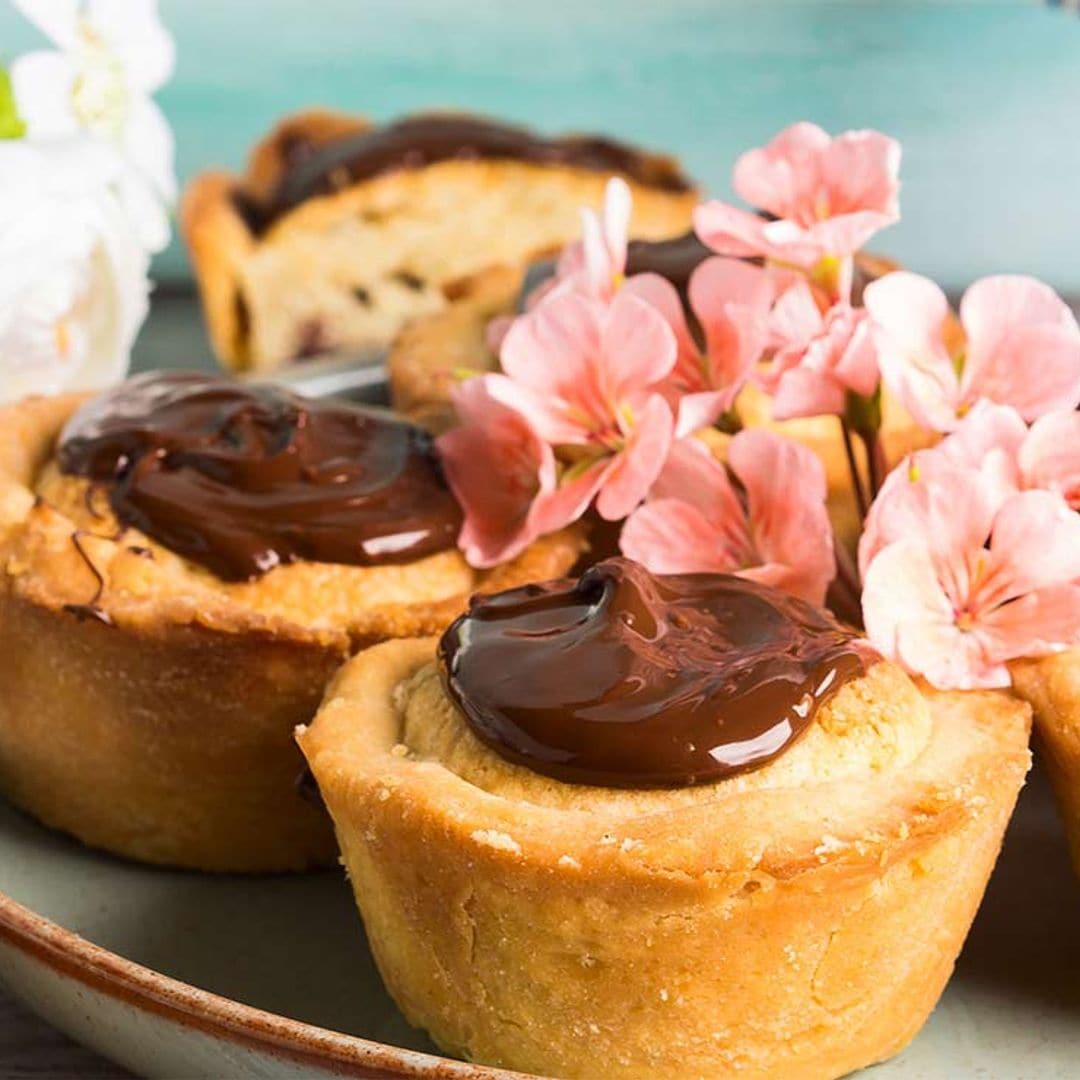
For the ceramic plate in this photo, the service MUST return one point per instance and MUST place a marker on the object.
(178, 974)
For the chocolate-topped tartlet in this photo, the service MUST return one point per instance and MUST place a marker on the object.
(184, 561)
(684, 679)
(341, 231)
(641, 826)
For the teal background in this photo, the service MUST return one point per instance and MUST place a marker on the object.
(985, 94)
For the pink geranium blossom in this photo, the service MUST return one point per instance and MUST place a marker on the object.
(504, 475)
(1021, 347)
(974, 581)
(828, 196)
(594, 265)
(995, 440)
(586, 376)
(817, 356)
(768, 524)
(730, 300)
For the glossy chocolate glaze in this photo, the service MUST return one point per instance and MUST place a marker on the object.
(626, 679)
(241, 478)
(425, 139)
(674, 259)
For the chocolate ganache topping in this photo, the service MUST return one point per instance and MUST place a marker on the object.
(625, 679)
(241, 478)
(422, 140)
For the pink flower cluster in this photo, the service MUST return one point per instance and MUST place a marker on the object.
(971, 551)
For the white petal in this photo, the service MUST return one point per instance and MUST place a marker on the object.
(133, 31)
(148, 143)
(58, 20)
(144, 210)
(42, 83)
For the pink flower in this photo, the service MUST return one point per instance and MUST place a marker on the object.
(974, 582)
(995, 440)
(829, 196)
(1050, 455)
(503, 475)
(1021, 347)
(768, 524)
(594, 265)
(586, 377)
(730, 300)
(817, 357)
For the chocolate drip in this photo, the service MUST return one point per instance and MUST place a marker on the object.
(422, 140)
(674, 259)
(243, 478)
(624, 679)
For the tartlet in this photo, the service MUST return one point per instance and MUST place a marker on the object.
(1052, 686)
(797, 920)
(149, 699)
(340, 231)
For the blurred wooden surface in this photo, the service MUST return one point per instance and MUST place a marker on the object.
(31, 1050)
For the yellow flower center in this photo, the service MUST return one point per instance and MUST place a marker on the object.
(99, 97)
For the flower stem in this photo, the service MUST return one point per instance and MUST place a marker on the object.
(875, 456)
(844, 595)
(853, 466)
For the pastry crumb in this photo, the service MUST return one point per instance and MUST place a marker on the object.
(829, 846)
(399, 750)
(569, 862)
(495, 839)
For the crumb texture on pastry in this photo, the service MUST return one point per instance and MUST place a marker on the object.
(147, 706)
(799, 921)
(346, 270)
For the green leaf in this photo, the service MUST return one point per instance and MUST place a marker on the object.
(11, 125)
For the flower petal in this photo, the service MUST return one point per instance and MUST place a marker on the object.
(909, 314)
(1050, 455)
(149, 145)
(729, 230)
(909, 619)
(134, 32)
(1035, 544)
(1040, 623)
(859, 170)
(731, 300)
(496, 502)
(637, 350)
(58, 20)
(844, 234)
(783, 175)
(552, 355)
(42, 83)
(1023, 345)
(669, 536)
(636, 467)
(802, 391)
(786, 491)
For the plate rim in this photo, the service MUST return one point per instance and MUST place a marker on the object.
(72, 956)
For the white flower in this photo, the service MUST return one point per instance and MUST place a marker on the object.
(73, 274)
(111, 56)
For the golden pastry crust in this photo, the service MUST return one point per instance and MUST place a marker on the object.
(165, 734)
(1052, 686)
(348, 270)
(797, 921)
